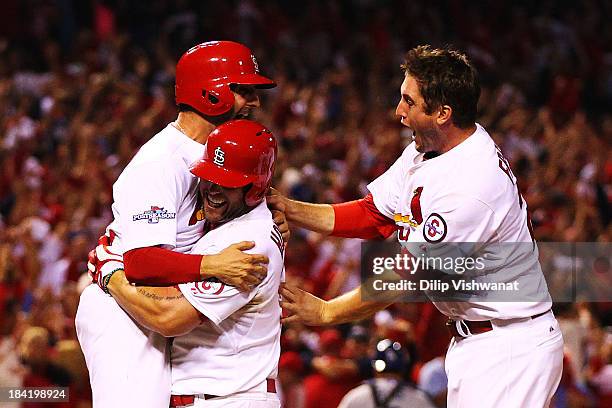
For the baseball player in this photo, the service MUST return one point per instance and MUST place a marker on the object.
(452, 185)
(158, 219)
(228, 345)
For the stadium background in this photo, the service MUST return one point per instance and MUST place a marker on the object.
(84, 83)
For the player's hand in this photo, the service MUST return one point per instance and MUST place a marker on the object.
(103, 260)
(277, 205)
(236, 268)
(300, 306)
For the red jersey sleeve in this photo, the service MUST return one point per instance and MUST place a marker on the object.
(155, 266)
(361, 219)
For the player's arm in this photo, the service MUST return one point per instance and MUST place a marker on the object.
(174, 311)
(315, 217)
(306, 308)
(147, 200)
(156, 266)
(161, 309)
(354, 219)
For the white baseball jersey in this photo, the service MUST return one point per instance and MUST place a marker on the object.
(467, 195)
(155, 196)
(238, 346)
(154, 200)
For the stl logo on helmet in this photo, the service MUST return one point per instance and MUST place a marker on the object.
(219, 158)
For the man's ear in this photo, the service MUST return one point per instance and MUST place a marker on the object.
(444, 115)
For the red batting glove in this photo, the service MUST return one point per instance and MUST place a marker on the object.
(103, 261)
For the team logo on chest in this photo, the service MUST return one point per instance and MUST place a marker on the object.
(219, 158)
(154, 215)
(435, 228)
(410, 221)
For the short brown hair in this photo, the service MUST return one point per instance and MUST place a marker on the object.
(445, 77)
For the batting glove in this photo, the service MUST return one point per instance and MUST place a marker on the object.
(103, 262)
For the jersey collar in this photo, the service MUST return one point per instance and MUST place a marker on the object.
(471, 144)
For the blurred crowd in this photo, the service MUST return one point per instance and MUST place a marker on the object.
(84, 84)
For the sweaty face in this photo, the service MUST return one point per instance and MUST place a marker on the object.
(245, 100)
(411, 110)
(222, 204)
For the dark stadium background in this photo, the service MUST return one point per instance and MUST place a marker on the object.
(84, 83)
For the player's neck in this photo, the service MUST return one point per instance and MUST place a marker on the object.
(455, 136)
(194, 126)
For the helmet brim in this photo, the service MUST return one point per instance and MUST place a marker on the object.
(216, 174)
(258, 81)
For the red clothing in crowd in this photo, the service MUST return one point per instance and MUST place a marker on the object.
(321, 392)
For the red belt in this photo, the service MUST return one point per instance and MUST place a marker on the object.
(185, 400)
(475, 327)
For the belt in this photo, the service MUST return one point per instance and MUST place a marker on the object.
(466, 328)
(185, 400)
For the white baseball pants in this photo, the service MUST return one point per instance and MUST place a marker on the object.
(517, 364)
(128, 365)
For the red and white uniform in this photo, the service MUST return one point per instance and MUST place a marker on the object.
(236, 349)
(154, 200)
(469, 195)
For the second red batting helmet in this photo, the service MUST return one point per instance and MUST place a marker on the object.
(205, 72)
(238, 153)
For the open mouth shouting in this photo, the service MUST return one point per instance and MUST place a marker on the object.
(222, 203)
(215, 200)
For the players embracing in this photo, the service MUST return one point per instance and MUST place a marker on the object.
(158, 219)
(226, 342)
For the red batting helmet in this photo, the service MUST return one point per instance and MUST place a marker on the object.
(205, 72)
(238, 153)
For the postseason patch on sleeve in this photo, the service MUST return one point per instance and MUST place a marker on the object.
(154, 215)
(435, 228)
